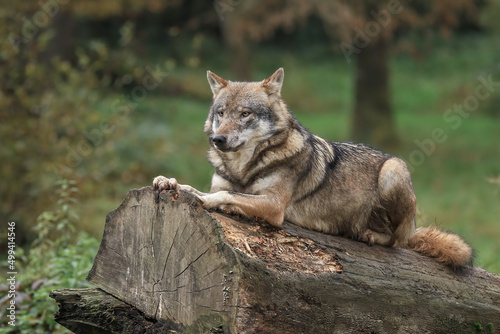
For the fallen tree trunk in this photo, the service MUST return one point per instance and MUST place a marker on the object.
(95, 311)
(178, 266)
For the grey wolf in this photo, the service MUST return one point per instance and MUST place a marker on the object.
(268, 165)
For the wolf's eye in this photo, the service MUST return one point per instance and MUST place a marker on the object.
(220, 113)
(245, 113)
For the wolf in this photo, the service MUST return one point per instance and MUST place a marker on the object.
(268, 165)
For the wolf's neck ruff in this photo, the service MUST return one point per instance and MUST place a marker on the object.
(247, 166)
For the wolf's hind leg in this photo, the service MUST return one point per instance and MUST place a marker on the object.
(398, 199)
(372, 237)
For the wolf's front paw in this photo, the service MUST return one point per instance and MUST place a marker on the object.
(161, 183)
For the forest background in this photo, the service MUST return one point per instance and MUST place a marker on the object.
(97, 98)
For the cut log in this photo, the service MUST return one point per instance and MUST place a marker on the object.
(195, 271)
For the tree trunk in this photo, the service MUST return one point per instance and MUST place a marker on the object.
(62, 45)
(195, 271)
(97, 312)
(237, 46)
(373, 120)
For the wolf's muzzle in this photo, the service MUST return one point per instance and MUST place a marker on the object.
(219, 141)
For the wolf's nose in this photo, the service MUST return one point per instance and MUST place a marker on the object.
(219, 140)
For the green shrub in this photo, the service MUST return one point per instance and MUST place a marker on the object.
(59, 258)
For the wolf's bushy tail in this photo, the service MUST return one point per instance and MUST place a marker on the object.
(445, 247)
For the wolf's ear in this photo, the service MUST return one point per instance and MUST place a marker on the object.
(216, 82)
(274, 82)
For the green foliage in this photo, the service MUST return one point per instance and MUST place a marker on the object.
(59, 258)
(479, 329)
(48, 118)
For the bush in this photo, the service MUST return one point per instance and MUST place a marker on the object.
(59, 258)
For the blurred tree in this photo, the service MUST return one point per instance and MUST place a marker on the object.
(238, 48)
(50, 83)
(365, 31)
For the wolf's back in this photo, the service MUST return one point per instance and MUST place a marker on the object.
(445, 247)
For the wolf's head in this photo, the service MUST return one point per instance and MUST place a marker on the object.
(244, 114)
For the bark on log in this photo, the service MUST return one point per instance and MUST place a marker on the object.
(195, 271)
(94, 311)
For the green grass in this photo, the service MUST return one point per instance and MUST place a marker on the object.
(164, 133)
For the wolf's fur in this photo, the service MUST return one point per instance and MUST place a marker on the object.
(269, 166)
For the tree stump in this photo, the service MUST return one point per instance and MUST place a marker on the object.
(181, 269)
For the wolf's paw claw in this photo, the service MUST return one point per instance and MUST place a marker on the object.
(161, 183)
